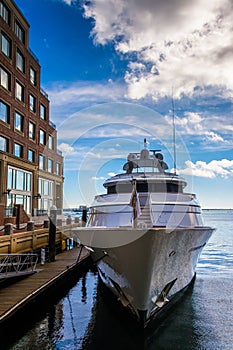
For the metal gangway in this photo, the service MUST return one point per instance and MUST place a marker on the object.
(16, 265)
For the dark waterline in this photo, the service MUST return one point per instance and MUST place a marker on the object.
(81, 318)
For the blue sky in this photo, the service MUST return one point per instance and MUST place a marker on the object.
(110, 69)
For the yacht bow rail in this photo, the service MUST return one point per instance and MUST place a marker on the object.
(13, 265)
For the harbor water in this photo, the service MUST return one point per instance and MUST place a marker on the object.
(80, 317)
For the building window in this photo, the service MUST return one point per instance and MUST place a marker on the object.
(20, 61)
(20, 181)
(33, 76)
(4, 12)
(19, 91)
(18, 150)
(6, 45)
(45, 187)
(31, 156)
(32, 103)
(19, 121)
(4, 112)
(41, 162)
(20, 32)
(31, 131)
(42, 112)
(5, 79)
(51, 142)
(50, 165)
(58, 169)
(46, 191)
(4, 144)
(42, 137)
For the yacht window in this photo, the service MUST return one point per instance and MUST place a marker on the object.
(144, 187)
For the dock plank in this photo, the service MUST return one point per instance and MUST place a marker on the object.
(15, 295)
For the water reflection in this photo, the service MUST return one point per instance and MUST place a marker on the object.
(91, 320)
(84, 290)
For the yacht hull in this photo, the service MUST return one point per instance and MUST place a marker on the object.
(148, 272)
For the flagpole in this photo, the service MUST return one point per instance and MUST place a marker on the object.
(174, 133)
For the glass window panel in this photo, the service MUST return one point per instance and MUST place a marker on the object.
(58, 169)
(4, 78)
(28, 205)
(32, 76)
(19, 31)
(19, 121)
(42, 137)
(10, 178)
(31, 155)
(42, 112)
(4, 112)
(46, 188)
(40, 186)
(19, 92)
(42, 162)
(51, 142)
(20, 61)
(18, 199)
(50, 165)
(5, 13)
(32, 103)
(46, 204)
(5, 45)
(20, 180)
(18, 150)
(50, 188)
(32, 131)
(4, 144)
(29, 181)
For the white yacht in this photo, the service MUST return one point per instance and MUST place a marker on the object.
(146, 234)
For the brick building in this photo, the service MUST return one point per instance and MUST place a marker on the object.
(31, 167)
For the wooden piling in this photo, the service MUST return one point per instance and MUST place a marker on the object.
(52, 235)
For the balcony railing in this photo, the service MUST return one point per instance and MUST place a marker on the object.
(41, 212)
(33, 55)
(44, 93)
(52, 124)
(9, 211)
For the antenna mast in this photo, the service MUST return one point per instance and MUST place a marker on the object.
(174, 133)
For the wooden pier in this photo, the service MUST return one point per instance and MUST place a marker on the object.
(16, 296)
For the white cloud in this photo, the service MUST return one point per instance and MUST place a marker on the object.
(211, 128)
(114, 120)
(61, 94)
(68, 2)
(213, 137)
(66, 149)
(178, 43)
(223, 168)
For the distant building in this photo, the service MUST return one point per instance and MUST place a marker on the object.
(31, 167)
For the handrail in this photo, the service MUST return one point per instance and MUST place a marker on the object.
(151, 209)
(15, 264)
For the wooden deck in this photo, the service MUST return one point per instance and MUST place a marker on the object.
(19, 294)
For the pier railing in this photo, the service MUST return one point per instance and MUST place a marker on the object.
(25, 242)
(13, 265)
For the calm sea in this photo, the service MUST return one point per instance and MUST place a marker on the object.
(79, 318)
